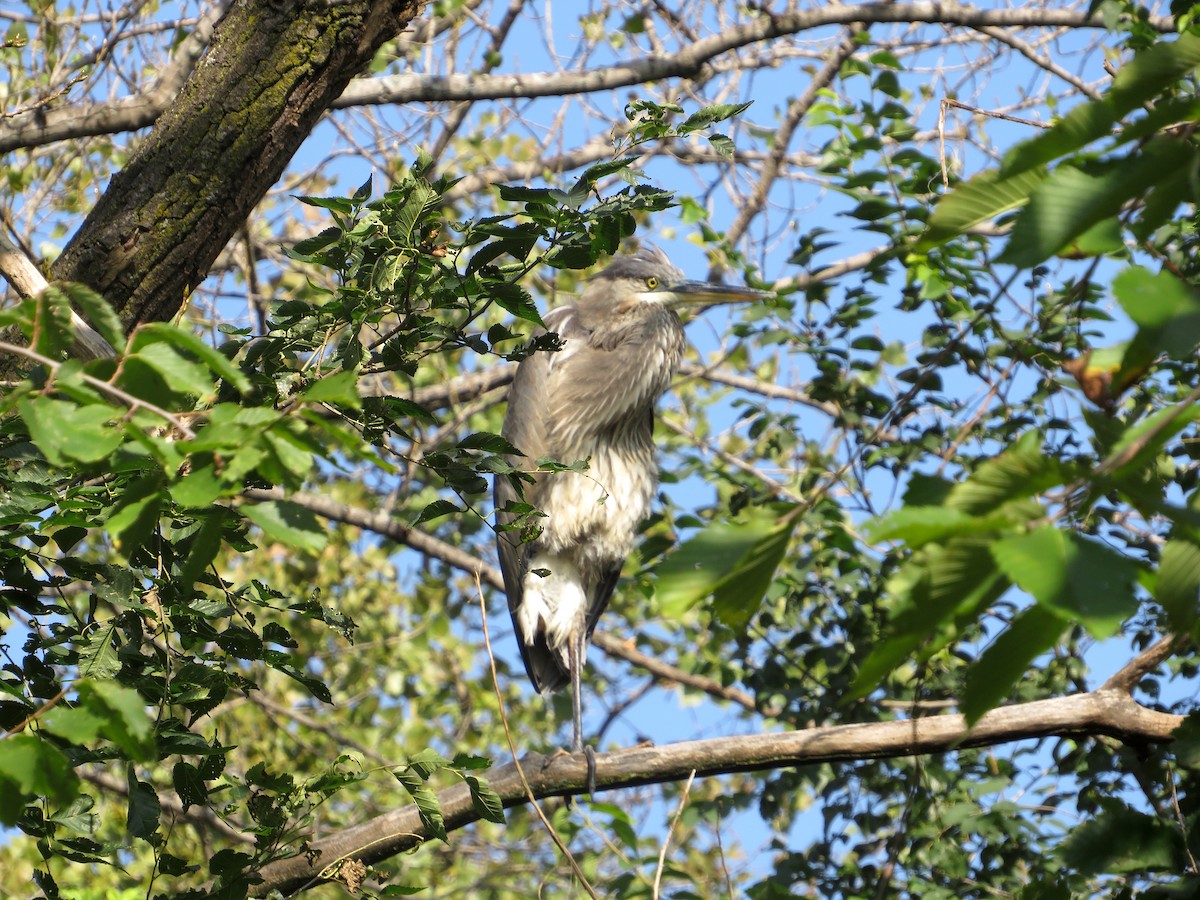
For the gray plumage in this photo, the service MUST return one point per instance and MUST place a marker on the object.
(594, 399)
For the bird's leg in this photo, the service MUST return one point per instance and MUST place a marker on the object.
(575, 661)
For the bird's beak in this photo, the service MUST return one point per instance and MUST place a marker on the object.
(707, 293)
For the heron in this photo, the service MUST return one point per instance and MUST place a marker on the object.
(593, 399)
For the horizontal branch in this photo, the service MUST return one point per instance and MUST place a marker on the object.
(84, 120)
(688, 62)
(1110, 713)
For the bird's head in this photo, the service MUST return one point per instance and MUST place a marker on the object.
(649, 277)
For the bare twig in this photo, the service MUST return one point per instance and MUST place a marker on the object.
(1136, 669)
(662, 853)
(512, 748)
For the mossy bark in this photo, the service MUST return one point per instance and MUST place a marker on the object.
(271, 71)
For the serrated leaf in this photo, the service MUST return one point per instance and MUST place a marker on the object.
(136, 514)
(435, 510)
(1019, 472)
(189, 785)
(991, 679)
(32, 767)
(1138, 81)
(127, 723)
(181, 375)
(484, 800)
(64, 431)
(143, 809)
(308, 246)
(1069, 202)
(1177, 587)
(426, 800)
(733, 561)
(515, 299)
(1075, 577)
(711, 114)
(488, 442)
(940, 586)
(975, 202)
(1120, 839)
(75, 724)
(917, 525)
(98, 653)
(341, 387)
(287, 523)
(210, 356)
(426, 762)
(99, 314)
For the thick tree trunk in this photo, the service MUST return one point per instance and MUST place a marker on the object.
(271, 71)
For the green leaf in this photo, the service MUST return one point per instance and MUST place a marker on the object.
(1185, 744)
(734, 560)
(427, 803)
(126, 721)
(136, 514)
(435, 510)
(31, 767)
(1177, 587)
(1120, 840)
(485, 800)
(304, 249)
(98, 653)
(710, 115)
(975, 202)
(200, 487)
(65, 431)
(1070, 201)
(99, 314)
(940, 586)
(143, 811)
(918, 525)
(1138, 81)
(341, 387)
(75, 724)
(427, 762)
(1075, 577)
(491, 443)
(287, 523)
(515, 299)
(207, 354)
(1021, 471)
(189, 785)
(1002, 665)
(1167, 313)
(181, 375)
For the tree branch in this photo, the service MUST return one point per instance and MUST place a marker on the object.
(225, 139)
(140, 112)
(1141, 665)
(27, 280)
(408, 88)
(1104, 712)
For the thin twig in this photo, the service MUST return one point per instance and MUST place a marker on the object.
(1126, 679)
(512, 747)
(134, 403)
(662, 853)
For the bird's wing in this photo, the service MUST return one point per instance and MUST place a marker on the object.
(527, 429)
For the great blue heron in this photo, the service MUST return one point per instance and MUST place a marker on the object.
(594, 398)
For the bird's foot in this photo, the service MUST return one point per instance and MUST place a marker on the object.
(590, 755)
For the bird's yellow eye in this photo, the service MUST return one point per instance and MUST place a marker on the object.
(652, 282)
